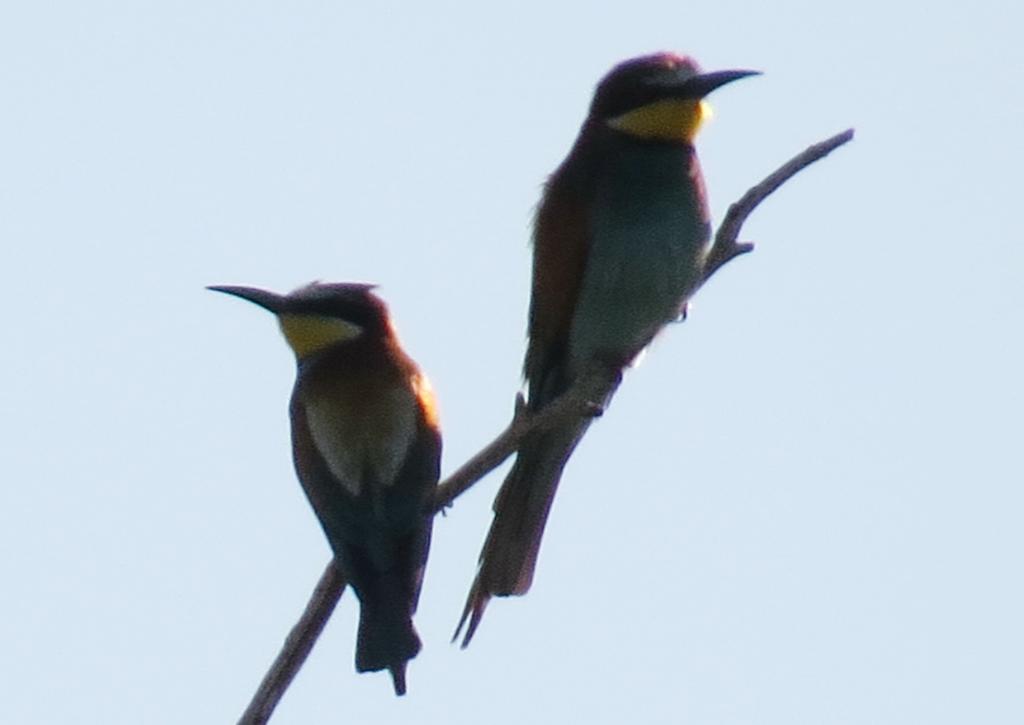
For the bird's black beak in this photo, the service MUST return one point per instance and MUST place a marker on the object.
(263, 298)
(700, 85)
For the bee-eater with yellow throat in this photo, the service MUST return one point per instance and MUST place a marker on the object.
(367, 449)
(619, 245)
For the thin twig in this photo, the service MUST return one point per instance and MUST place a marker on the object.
(296, 648)
(725, 246)
(580, 400)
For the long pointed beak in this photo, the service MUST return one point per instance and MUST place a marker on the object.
(267, 300)
(701, 85)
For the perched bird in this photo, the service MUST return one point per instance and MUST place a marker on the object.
(619, 245)
(367, 451)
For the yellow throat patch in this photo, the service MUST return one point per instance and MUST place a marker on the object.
(307, 334)
(671, 119)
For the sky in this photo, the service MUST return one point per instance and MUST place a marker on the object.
(803, 507)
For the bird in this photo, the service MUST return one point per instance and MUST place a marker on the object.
(366, 446)
(620, 240)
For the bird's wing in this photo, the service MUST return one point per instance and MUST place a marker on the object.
(560, 247)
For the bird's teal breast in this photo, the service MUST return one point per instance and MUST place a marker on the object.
(649, 233)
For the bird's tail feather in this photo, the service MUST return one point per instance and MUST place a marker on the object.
(386, 637)
(521, 509)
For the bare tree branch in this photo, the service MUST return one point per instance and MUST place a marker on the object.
(580, 400)
(296, 648)
(725, 246)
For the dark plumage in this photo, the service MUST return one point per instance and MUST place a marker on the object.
(367, 451)
(619, 244)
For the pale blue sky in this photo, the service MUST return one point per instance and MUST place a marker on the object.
(804, 507)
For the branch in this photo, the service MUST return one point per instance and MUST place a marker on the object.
(296, 648)
(725, 246)
(580, 400)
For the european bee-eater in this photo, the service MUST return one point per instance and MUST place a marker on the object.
(619, 244)
(367, 451)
